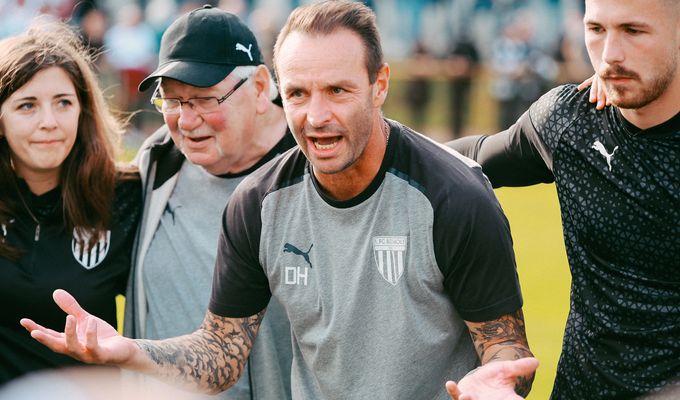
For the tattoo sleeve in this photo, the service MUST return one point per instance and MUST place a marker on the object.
(503, 339)
(210, 359)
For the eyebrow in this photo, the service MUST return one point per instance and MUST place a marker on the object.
(54, 97)
(344, 83)
(629, 24)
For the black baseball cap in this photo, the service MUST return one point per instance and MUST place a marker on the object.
(202, 47)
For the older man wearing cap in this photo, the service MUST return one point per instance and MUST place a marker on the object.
(216, 96)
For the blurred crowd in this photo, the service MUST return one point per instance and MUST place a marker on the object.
(517, 49)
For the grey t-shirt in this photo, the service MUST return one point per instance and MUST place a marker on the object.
(376, 288)
(184, 247)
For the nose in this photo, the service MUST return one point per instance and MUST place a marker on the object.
(188, 119)
(613, 52)
(318, 112)
(48, 120)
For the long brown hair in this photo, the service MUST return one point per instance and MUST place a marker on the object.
(327, 16)
(88, 175)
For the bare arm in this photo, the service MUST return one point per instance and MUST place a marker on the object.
(503, 339)
(210, 359)
(508, 366)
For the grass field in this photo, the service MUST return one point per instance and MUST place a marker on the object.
(534, 218)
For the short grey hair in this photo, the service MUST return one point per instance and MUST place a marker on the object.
(245, 71)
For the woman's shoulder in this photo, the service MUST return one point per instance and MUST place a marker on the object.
(128, 178)
(128, 194)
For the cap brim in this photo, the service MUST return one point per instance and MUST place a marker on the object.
(191, 73)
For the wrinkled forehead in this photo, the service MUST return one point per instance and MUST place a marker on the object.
(328, 57)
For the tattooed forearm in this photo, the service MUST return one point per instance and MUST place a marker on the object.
(491, 337)
(210, 359)
(523, 385)
(503, 339)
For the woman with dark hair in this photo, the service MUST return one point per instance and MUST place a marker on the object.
(68, 214)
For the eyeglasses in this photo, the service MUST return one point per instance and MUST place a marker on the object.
(202, 105)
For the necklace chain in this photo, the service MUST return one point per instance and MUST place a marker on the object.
(387, 132)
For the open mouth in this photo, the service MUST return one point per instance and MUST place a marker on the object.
(325, 143)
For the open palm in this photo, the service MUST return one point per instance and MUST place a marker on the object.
(495, 380)
(85, 337)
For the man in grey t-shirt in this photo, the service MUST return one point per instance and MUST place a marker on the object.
(389, 253)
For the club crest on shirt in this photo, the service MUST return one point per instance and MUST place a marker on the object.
(3, 228)
(90, 257)
(389, 254)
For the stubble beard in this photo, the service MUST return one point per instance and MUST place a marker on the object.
(360, 135)
(648, 92)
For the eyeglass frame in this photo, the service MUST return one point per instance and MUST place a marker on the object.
(188, 101)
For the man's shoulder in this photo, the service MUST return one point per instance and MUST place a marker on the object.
(282, 171)
(450, 181)
(564, 101)
(158, 148)
(424, 159)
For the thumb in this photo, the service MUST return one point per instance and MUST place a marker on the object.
(68, 304)
(523, 366)
(452, 389)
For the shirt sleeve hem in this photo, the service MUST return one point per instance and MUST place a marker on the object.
(237, 311)
(495, 311)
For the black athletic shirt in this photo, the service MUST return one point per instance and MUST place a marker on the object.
(619, 193)
(57, 260)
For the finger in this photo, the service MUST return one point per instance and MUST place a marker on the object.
(30, 326)
(452, 390)
(592, 96)
(599, 95)
(523, 366)
(603, 94)
(70, 333)
(91, 342)
(68, 303)
(56, 344)
(586, 83)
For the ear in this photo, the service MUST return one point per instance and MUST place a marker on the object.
(262, 81)
(381, 85)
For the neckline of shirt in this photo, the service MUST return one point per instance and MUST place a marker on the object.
(666, 128)
(372, 187)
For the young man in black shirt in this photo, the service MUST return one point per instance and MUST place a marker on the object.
(617, 174)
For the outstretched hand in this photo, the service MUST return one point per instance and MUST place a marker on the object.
(597, 92)
(85, 337)
(495, 380)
